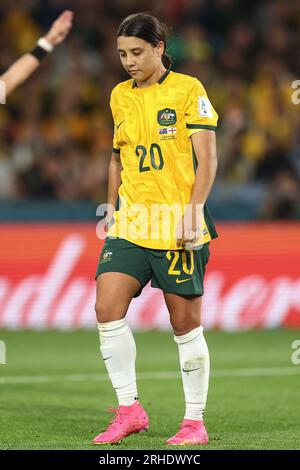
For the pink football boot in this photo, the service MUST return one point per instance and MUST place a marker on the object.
(128, 420)
(190, 433)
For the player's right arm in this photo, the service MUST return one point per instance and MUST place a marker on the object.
(20, 70)
(115, 166)
(114, 182)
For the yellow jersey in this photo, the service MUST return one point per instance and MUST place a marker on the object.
(152, 133)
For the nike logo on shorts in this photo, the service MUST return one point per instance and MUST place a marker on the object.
(118, 125)
(179, 281)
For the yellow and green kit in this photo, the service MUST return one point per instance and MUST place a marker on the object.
(152, 134)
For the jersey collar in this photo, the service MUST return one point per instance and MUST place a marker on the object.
(162, 78)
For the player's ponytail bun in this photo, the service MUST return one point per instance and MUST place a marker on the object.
(148, 28)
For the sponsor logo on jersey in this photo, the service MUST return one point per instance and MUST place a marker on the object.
(166, 117)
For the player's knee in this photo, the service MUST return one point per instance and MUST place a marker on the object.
(183, 326)
(182, 331)
(101, 312)
(107, 312)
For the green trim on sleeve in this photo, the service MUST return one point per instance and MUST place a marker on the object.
(118, 151)
(201, 126)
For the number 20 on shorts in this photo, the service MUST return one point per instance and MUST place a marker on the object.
(174, 256)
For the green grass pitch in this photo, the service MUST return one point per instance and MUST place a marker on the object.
(54, 392)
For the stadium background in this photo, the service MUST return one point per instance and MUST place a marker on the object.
(56, 134)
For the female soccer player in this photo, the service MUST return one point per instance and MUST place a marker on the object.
(28, 63)
(163, 164)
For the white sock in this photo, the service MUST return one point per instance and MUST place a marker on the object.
(118, 350)
(194, 364)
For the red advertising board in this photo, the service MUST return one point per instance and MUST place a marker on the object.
(47, 278)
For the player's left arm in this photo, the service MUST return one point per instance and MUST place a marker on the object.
(204, 145)
(20, 70)
(201, 123)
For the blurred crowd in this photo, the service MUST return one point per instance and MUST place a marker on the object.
(56, 130)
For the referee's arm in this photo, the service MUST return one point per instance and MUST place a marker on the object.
(20, 70)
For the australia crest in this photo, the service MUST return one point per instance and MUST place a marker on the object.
(166, 117)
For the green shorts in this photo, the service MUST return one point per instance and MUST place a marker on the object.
(176, 272)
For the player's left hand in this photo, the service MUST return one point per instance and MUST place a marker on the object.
(188, 229)
(60, 28)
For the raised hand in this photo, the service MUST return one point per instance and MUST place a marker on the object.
(60, 28)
